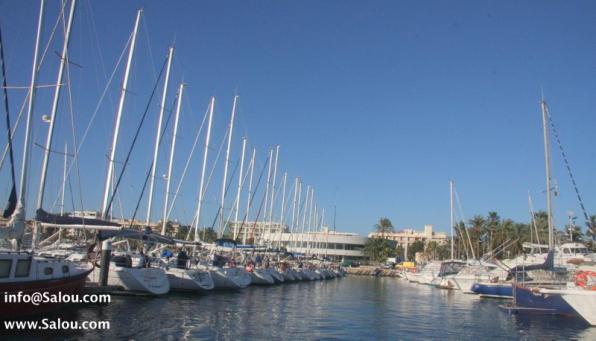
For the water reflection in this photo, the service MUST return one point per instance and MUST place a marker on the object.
(351, 308)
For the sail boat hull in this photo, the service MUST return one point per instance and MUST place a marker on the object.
(261, 277)
(542, 303)
(189, 280)
(45, 275)
(151, 281)
(230, 278)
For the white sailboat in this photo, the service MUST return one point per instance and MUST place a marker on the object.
(24, 271)
(144, 279)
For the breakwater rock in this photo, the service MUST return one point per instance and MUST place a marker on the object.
(373, 271)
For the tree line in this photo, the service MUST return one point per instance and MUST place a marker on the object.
(480, 236)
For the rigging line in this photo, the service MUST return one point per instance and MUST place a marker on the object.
(245, 213)
(567, 165)
(93, 28)
(533, 216)
(251, 198)
(149, 48)
(13, 192)
(42, 59)
(71, 195)
(188, 160)
(96, 111)
(52, 150)
(26, 87)
(221, 211)
(60, 15)
(72, 126)
(74, 135)
(148, 176)
(287, 206)
(254, 226)
(235, 200)
(14, 129)
(136, 136)
(214, 164)
(463, 218)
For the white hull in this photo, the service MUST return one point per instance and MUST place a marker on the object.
(277, 277)
(288, 275)
(302, 275)
(261, 277)
(230, 278)
(146, 280)
(585, 305)
(582, 301)
(189, 279)
(308, 274)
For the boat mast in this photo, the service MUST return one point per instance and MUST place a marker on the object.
(267, 191)
(240, 181)
(294, 203)
(22, 198)
(226, 163)
(310, 208)
(305, 208)
(551, 243)
(158, 135)
(203, 168)
(48, 147)
(283, 204)
(64, 175)
(451, 213)
(249, 198)
(171, 162)
(313, 232)
(106, 195)
(274, 180)
(533, 217)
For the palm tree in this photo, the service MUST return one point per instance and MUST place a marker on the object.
(477, 225)
(491, 226)
(591, 232)
(383, 226)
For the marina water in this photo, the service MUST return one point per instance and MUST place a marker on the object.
(351, 308)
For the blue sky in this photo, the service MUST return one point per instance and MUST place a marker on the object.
(377, 104)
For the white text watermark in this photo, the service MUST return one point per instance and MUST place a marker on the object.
(58, 324)
(37, 298)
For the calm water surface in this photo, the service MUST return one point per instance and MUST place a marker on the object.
(352, 308)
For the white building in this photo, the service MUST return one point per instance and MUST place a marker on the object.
(251, 231)
(322, 243)
(409, 236)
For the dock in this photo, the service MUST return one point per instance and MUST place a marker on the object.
(373, 271)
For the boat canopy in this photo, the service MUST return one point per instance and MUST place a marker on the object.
(56, 219)
(146, 236)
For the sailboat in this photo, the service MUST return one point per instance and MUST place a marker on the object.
(529, 297)
(24, 271)
(122, 272)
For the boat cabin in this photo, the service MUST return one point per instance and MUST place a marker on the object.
(24, 267)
